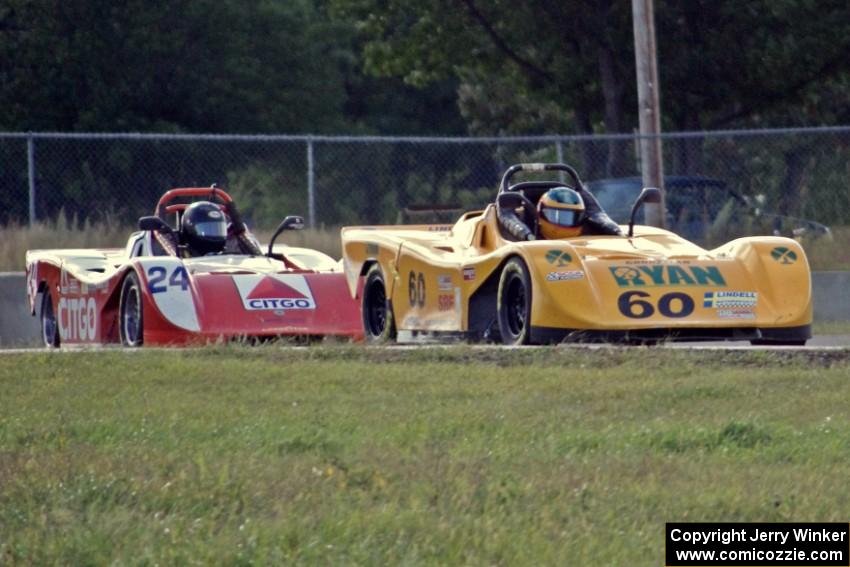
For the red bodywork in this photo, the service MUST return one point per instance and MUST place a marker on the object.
(193, 300)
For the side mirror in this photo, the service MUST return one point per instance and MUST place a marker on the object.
(292, 222)
(648, 195)
(154, 223)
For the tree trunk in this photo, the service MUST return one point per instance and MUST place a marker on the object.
(796, 161)
(688, 155)
(612, 92)
(592, 166)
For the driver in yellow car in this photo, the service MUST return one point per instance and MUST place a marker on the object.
(560, 212)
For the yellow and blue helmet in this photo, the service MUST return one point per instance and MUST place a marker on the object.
(560, 213)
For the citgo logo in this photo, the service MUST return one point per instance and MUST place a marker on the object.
(666, 275)
(783, 255)
(274, 292)
(77, 318)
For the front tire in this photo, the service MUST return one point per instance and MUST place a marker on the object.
(49, 326)
(378, 321)
(130, 313)
(513, 303)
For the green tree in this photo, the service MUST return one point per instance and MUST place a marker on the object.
(547, 66)
(169, 65)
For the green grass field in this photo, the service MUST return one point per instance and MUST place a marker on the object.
(440, 456)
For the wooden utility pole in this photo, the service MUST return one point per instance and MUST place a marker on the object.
(652, 164)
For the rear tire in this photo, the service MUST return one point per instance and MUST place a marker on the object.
(513, 303)
(49, 326)
(130, 312)
(377, 310)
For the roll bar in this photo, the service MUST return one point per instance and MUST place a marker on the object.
(537, 167)
(163, 207)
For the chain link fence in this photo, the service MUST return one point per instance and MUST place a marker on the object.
(335, 181)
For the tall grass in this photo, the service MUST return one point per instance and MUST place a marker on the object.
(15, 239)
(830, 254)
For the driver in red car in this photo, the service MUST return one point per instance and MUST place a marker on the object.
(204, 230)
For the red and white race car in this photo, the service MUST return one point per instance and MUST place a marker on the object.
(151, 293)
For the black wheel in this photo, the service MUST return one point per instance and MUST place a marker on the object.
(514, 303)
(49, 326)
(131, 322)
(768, 342)
(378, 322)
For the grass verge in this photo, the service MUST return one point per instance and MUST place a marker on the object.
(456, 455)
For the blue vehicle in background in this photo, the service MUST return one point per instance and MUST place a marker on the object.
(703, 209)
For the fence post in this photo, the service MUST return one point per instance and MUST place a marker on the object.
(559, 156)
(311, 185)
(31, 176)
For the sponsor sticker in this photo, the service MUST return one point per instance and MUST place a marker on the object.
(445, 302)
(274, 292)
(649, 261)
(444, 282)
(783, 255)
(558, 257)
(32, 282)
(68, 285)
(736, 314)
(468, 274)
(730, 299)
(77, 318)
(657, 275)
(564, 276)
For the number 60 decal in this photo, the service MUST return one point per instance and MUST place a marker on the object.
(675, 304)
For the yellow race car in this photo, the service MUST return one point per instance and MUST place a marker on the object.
(545, 264)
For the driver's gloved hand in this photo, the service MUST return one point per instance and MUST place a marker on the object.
(237, 226)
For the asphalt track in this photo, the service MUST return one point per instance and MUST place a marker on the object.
(818, 343)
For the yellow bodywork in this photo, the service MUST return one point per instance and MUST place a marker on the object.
(654, 280)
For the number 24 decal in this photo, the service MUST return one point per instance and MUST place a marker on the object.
(157, 274)
(641, 309)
